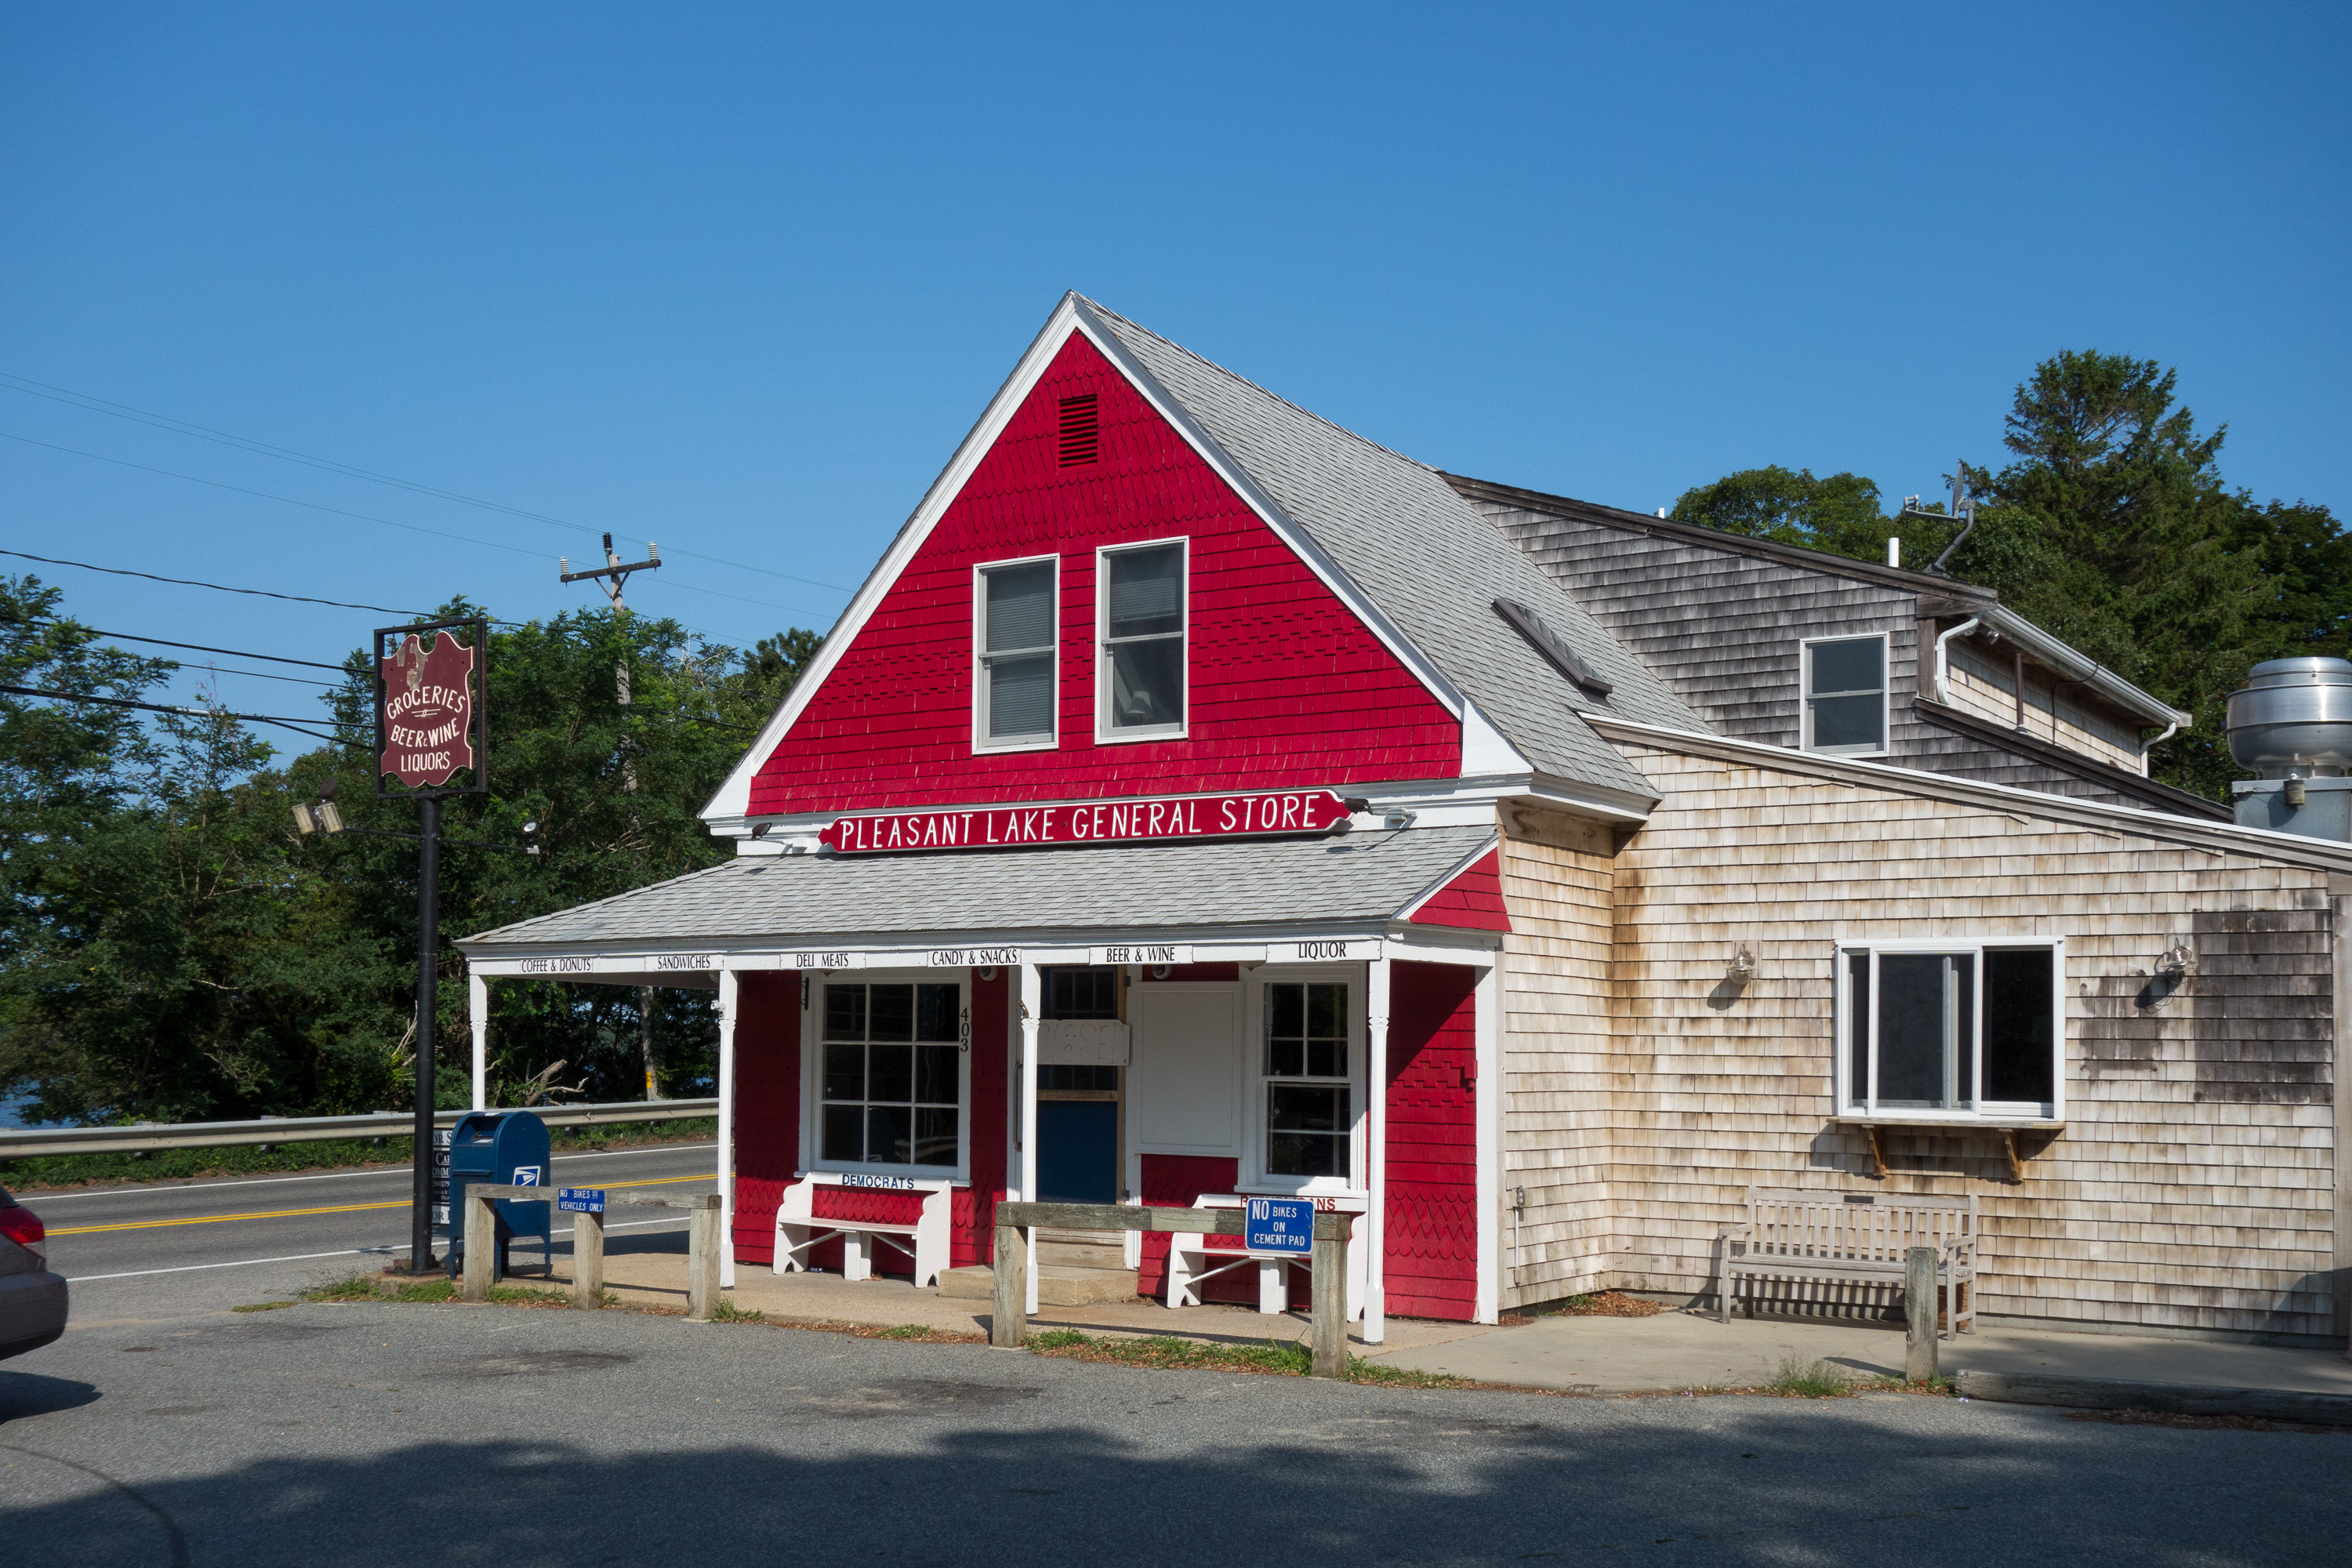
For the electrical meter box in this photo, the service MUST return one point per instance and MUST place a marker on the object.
(501, 1149)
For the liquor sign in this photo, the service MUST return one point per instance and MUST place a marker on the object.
(429, 705)
(1127, 822)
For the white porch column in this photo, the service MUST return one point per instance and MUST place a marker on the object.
(1376, 1157)
(478, 1009)
(1033, 1004)
(1487, 1088)
(728, 987)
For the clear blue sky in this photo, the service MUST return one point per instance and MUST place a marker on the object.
(739, 278)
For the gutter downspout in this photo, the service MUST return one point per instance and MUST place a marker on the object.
(1943, 655)
(2169, 731)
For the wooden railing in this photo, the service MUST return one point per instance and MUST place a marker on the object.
(1009, 1319)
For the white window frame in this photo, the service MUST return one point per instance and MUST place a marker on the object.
(1106, 734)
(813, 1044)
(1805, 647)
(1997, 1113)
(1255, 1177)
(980, 744)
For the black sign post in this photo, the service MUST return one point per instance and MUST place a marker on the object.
(432, 723)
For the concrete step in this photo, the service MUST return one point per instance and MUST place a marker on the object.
(1081, 1249)
(1059, 1284)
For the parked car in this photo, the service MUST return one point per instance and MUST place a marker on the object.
(32, 1300)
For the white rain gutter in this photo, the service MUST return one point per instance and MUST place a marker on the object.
(1943, 656)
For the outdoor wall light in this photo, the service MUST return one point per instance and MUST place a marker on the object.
(1742, 967)
(985, 971)
(1397, 818)
(2174, 962)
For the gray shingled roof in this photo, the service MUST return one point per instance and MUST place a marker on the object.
(1430, 561)
(1130, 891)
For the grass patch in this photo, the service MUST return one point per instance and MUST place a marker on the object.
(1274, 1358)
(262, 1307)
(1608, 1304)
(376, 1287)
(525, 1296)
(905, 1332)
(726, 1311)
(1800, 1378)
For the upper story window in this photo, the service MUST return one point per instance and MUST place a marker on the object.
(1013, 706)
(1945, 1030)
(1141, 612)
(1845, 696)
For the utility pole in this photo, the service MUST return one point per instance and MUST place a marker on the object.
(612, 576)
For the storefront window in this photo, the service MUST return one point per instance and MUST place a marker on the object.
(891, 1078)
(1307, 1122)
(1972, 1032)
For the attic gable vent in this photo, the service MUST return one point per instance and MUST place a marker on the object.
(1077, 430)
(1552, 645)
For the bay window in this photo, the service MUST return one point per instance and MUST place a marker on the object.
(1951, 1030)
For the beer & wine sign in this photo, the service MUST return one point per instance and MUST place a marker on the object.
(1125, 822)
(427, 700)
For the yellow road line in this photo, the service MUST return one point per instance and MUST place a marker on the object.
(288, 1214)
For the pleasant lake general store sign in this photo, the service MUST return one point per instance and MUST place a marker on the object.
(1128, 822)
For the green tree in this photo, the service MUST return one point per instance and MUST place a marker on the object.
(1839, 514)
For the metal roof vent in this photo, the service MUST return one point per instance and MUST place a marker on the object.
(2292, 723)
(1077, 430)
(1553, 646)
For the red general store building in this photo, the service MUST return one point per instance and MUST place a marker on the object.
(1199, 801)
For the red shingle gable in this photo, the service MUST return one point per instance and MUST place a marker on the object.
(1473, 899)
(1288, 688)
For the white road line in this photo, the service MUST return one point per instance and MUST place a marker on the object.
(330, 1176)
(305, 1257)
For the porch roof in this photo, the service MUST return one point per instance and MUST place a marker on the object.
(1361, 879)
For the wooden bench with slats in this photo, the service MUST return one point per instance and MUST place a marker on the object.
(1857, 1238)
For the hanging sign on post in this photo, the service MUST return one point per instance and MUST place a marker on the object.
(427, 702)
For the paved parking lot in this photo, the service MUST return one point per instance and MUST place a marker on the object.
(379, 1433)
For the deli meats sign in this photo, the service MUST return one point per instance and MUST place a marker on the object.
(428, 710)
(1129, 822)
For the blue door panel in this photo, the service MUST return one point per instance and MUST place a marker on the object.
(1077, 1151)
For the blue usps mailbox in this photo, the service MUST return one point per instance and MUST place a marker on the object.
(1280, 1225)
(499, 1149)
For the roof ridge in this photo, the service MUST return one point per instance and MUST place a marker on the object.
(1328, 423)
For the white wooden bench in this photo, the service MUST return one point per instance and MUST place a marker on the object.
(1191, 1262)
(924, 1243)
(1853, 1239)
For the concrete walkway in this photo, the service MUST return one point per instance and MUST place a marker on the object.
(1684, 1350)
(1670, 1351)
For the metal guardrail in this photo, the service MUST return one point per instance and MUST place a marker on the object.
(25, 1143)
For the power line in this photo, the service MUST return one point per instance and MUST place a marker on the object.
(167, 642)
(261, 675)
(293, 724)
(223, 587)
(96, 405)
(358, 516)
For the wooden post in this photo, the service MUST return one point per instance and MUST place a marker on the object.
(1329, 1280)
(1919, 1314)
(588, 1260)
(702, 1258)
(1008, 1320)
(481, 1246)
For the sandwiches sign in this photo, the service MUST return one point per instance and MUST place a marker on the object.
(1127, 822)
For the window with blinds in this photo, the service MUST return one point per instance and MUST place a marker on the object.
(1013, 692)
(1142, 637)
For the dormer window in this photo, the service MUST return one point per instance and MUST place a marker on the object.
(1845, 696)
(1012, 689)
(1142, 610)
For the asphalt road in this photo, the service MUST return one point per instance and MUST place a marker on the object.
(135, 1252)
(373, 1433)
